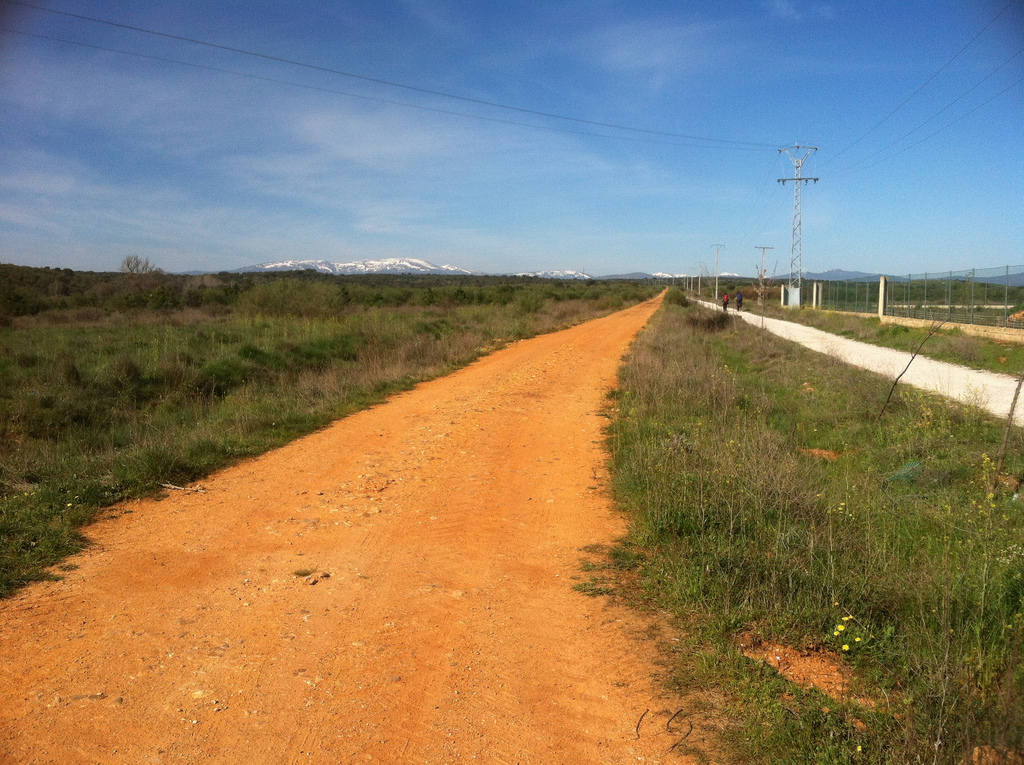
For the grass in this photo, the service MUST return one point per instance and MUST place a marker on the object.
(947, 344)
(891, 556)
(105, 407)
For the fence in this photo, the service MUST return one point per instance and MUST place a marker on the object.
(854, 295)
(989, 296)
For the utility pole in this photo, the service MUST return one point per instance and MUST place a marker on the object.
(796, 257)
(717, 248)
(760, 280)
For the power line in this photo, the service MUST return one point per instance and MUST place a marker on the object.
(391, 83)
(855, 169)
(348, 94)
(922, 86)
(940, 111)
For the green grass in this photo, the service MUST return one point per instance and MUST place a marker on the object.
(948, 344)
(891, 556)
(96, 412)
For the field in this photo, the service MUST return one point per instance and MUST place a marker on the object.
(105, 398)
(770, 510)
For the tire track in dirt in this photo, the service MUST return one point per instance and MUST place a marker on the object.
(449, 520)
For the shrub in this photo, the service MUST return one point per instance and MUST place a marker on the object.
(292, 297)
(219, 376)
(707, 320)
(676, 296)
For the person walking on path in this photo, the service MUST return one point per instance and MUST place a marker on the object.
(739, 300)
(725, 301)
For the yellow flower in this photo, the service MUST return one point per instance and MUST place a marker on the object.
(847, 618)
(836, 632)
(858, 747)
(846, 648)
(841, 627)
(858, 640)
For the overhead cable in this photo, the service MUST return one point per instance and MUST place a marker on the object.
(921, 87)
(855, 169)
(274, 80)
(940, 111)
(391, 83)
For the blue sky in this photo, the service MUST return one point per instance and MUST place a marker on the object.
(103, 154)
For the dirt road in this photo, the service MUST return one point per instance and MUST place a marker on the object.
(449, 521)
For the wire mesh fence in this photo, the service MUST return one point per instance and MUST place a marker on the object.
(989, 296)
(860, 296)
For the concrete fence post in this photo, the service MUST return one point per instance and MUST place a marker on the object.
(883, 282)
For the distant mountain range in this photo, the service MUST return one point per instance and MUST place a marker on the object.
(836, 275)
(556, 274)
(416, 266)
(383, 266)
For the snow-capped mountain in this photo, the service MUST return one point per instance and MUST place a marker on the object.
(556, 274)
(383, 266)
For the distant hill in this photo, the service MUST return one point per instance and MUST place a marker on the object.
(835, 275)
(633, 275)
(383, 266)
(556, 274)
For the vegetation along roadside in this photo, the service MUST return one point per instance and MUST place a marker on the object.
(949, 343)
(775, 518)
(106, 395)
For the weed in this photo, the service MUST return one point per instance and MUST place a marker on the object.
(708, 320)
(594, 587)
(892, 553)
(949, 344)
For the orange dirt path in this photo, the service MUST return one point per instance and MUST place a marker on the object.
(450, 522)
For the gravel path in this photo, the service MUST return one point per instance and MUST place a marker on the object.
(988, 390)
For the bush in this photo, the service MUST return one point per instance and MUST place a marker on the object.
(676, 296)
(293, 297)
(219, 376)
(707, 320)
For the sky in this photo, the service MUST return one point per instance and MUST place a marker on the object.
(606, 136)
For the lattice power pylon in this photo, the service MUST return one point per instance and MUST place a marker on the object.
(796, 267)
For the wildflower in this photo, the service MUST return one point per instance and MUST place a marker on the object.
(846, 647)
(836, 632)
(857, 640)
(840, 627)
(858, 747)
(847, 618)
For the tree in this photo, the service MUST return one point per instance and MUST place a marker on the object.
(135, 265)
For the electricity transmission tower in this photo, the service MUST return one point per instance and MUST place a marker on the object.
(796, 258)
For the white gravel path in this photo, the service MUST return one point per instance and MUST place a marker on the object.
(988, 390)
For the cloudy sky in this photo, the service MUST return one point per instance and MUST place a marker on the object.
(600, 135)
